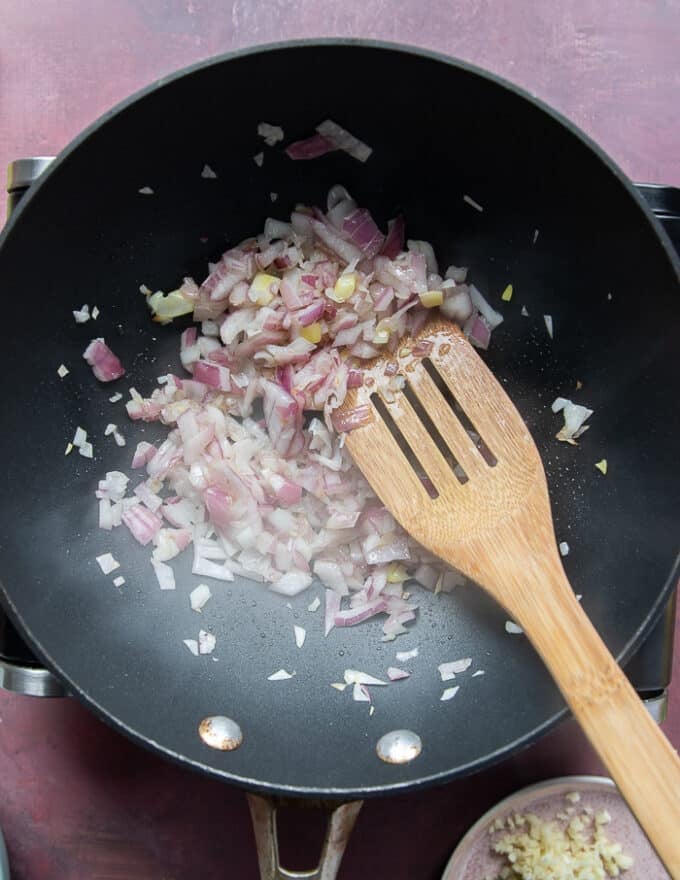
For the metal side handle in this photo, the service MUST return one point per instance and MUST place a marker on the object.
(340, 824)
(29, 680)
(19, 672)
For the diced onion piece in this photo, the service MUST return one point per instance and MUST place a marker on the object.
(164, 575)
(86, 450)
(105, 365)
(396, 674)
(69, 449)
(602, 466)
(506, 296)
(490, 315)
(403, 656)
(338, 685)
(107, 563)
(192, 645)
(118, 581)
(447, 671)
(80, 437)
(206, 642)
(574, 417)
(199, 596)
(449, 693)
(354, 676)
(512, 628)
(291, 583)
(360, 693)
(272, 134)
(432, 298)
(477, 673)
(207, 173)
(300, 635)
(280, 675)
(564, 548)
(314, 604)
(470, 201)
(258, 159)
(115, 397)
(523, 312)
(310, 148)
(343, 140)
(82, 315)
(549, 325)
(145, 191)
(62, 371)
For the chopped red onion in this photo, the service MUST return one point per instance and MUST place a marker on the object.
(279, 500)
(450, 670)
(300, 635)
(105, 365)
(362, 230)
(310, 148)
(142, 522)
(332, 608)
(107, 563)
(477, 331)
(396, 674)
(280, 675)
(354, 676)
(394, 242)
(449, 693)
(343, 140)
(360, 693)
(199, 596)
(403, 656)
(164, 575)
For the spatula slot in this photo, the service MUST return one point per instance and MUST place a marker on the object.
(459, 412)
(433, 431)
(384, 413)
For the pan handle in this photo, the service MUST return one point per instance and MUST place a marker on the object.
(340, 824)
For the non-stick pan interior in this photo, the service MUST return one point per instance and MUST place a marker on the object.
(558, 223)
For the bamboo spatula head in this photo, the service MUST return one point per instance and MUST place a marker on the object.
(448, 453)
(477, 497)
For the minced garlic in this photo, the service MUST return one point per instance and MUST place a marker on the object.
(536, 849)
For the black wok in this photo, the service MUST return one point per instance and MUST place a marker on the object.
(440, 129)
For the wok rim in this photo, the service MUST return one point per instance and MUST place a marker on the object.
(440, 778)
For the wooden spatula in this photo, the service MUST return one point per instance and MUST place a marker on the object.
(482, 506)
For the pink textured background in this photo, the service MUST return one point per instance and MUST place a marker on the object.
(77, 802)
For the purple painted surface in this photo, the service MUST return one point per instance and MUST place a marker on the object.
(76, 800)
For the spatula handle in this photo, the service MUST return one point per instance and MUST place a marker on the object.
(642, 762)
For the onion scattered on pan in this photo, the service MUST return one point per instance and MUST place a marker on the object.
(575, 416)
(403, 656)
(105, 365)
(253, 472)
(447, 671)
(280, 675)
(107, 563)
(199, 596)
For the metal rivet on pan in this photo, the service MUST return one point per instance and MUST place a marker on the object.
(220, 732)
(399, 746)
